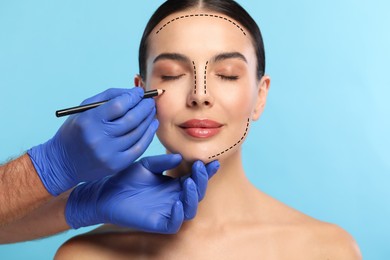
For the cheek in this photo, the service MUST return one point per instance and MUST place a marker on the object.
(236, 100)
(173, 99)
(168, 106)
(240, 104)
(164, 117)
(163, 111)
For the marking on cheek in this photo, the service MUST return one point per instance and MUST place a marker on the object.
(193, 63)
(202, 15)
(205, 76)
(231, 147)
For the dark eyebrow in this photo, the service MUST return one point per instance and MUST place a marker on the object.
(229, 55)
(172, 56)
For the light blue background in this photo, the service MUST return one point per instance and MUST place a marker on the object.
(321, 146)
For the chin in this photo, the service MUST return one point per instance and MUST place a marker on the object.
(189, 156)
(191, 153)
(201, 151)
(205, 150)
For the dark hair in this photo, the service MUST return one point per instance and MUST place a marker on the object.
(227, 7)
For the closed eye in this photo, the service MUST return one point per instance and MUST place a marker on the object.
(224, 77)
(168, 77)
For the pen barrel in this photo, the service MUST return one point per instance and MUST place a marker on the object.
(151, 93)
(78, 109)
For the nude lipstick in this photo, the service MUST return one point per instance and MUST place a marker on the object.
(201, 128)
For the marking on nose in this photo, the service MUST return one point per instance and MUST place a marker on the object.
(205, 70)
(193, 63)
(205, 76)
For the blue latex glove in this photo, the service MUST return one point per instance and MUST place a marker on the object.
(98, 142)
(140, 197)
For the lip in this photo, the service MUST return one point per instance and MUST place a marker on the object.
(201, 128)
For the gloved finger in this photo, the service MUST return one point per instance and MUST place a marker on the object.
(160, 163)
(200, 178)
(189, 198)
(130, 155)
(110, 94)
(174, 223)
(118, 106)
(212, 168)
(127, 141)
(133, 118)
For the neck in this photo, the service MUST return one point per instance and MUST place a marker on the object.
(226, 192)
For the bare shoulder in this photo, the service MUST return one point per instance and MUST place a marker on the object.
(100, 243)
(306, 237)
(330, 241)
(314, 239)
(79, 247)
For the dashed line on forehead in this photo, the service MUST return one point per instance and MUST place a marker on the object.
(200, 15)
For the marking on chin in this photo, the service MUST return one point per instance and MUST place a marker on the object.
(231, 147)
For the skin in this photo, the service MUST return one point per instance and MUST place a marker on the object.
(45, 220)
(27, 210)
(30, 194)
(235, 220)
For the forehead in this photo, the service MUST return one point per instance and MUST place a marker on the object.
(199, 33)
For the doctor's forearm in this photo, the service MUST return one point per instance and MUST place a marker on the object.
(46, 220)
(21, 190)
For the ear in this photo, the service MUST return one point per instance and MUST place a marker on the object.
(138, 82)
(262, 93)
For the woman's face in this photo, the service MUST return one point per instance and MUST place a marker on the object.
(207, 65)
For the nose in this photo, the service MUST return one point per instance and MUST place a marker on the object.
(199, 94)
(200, 99)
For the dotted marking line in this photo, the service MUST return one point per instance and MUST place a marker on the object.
(205, 76)
(193, 63)
(231, 147)
(205, 15)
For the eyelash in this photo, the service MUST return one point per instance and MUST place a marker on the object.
(230, 78)
(167, 78)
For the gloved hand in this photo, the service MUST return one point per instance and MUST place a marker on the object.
(98, 142)
(141, 197)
